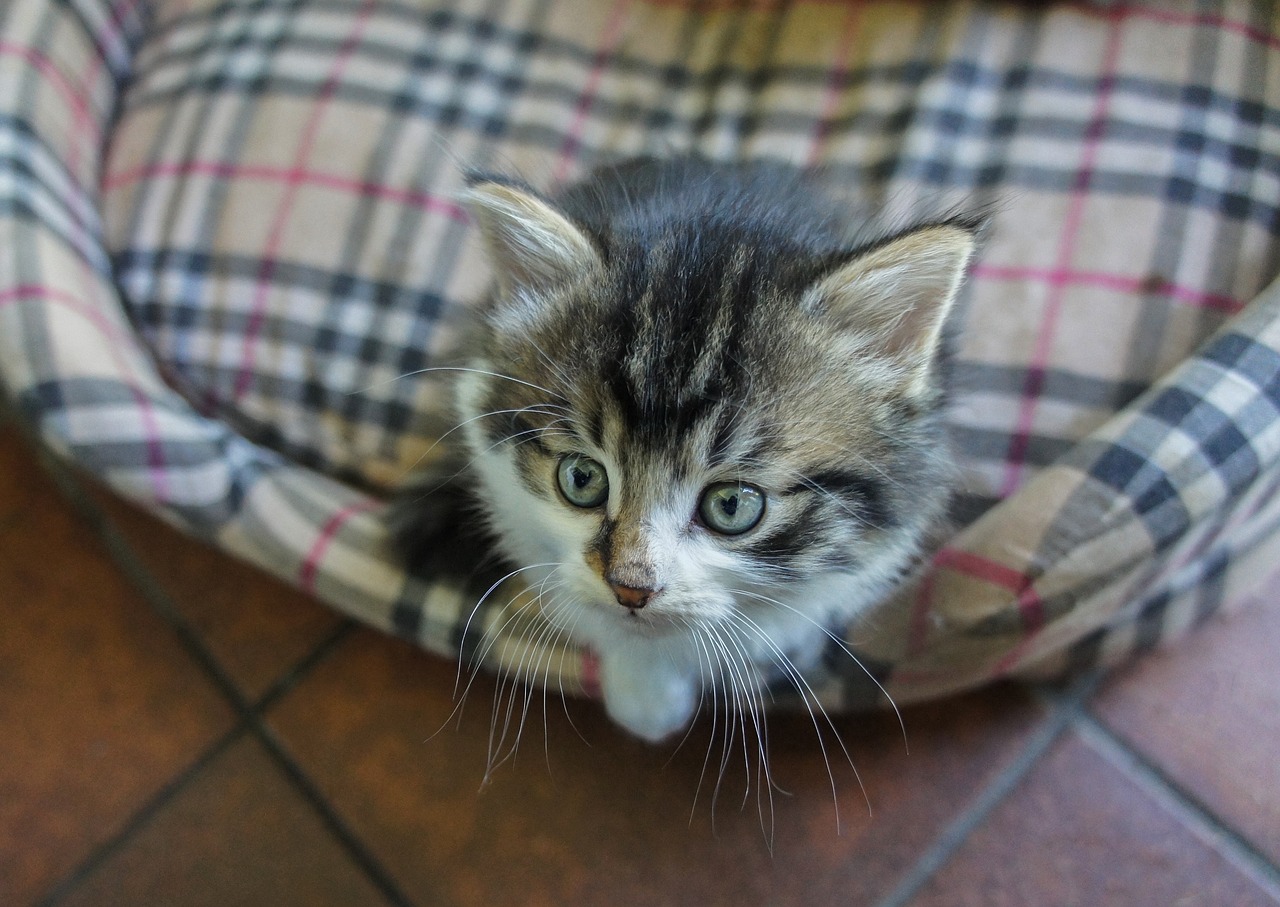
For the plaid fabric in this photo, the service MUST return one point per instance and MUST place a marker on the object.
(222, 313)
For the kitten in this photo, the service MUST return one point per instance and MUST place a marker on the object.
(704, 418)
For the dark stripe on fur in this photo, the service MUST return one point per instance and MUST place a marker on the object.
(865, 496)
(793, 543)
(698, 293)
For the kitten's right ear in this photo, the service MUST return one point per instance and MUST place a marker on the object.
(531, 245)
(898, 294)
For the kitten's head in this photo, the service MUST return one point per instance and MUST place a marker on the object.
(694, 415)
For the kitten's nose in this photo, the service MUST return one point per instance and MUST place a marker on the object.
(631, 597)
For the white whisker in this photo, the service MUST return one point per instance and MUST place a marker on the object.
(453, 368)
(811, 701)
(844, 647)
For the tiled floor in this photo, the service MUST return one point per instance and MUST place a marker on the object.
(176, 729)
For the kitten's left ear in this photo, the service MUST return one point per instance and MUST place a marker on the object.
(531, 245)
(897, 295)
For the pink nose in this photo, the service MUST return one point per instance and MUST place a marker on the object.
(630, 597)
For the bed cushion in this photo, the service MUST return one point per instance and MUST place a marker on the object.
(230, 313)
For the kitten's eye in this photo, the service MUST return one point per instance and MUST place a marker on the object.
(731, 508)
(583, 481)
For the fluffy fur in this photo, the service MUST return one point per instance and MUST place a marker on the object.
(702, 340)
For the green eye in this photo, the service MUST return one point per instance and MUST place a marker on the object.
(583, 481)
(731, 508)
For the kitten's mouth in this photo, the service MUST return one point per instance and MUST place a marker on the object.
(643, 621)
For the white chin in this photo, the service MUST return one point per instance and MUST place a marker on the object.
(603, 625)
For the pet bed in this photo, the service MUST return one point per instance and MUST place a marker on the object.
(229, 249)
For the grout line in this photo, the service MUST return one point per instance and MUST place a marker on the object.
(160, 799)
(1064, 710)
(336, 825)
(1184, 806)
(250, 718)
(285, 683)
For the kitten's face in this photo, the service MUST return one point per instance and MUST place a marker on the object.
(692, 431)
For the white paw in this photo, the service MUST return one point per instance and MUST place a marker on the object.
(648, 696)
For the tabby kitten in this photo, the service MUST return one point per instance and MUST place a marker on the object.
(703, 416)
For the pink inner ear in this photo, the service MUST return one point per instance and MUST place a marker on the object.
(530, 243)
(900, 293)
(916, 330)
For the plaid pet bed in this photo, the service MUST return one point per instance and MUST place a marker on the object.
(228, 247)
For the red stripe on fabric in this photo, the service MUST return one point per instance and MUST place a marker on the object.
(86, 131)
(1031, 609)
(1016, 456)
(115, 339)
(835, 82)
(980, 568)
(23, 292)
(1061, 277)
(293, 179)
(416, 199)
(607, 43)
(81, 107)
(1187, 20)
(1030, 606)
(311, 563)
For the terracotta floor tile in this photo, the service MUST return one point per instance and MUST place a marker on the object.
(1207, 711)
(238, 834)
(255, 625)
(99, 704)
(1079, 832)
(609, 822)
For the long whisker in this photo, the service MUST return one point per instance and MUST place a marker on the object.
(551, 644)
(708, 683)
(569, 633)
(454, 368)
(488, 639)
(466, 627)
(810, 700)
(542, 409)
(733, 716)
(754, 693)
(514, 680)
(546, 641)
(521, 674)
(844, 647)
